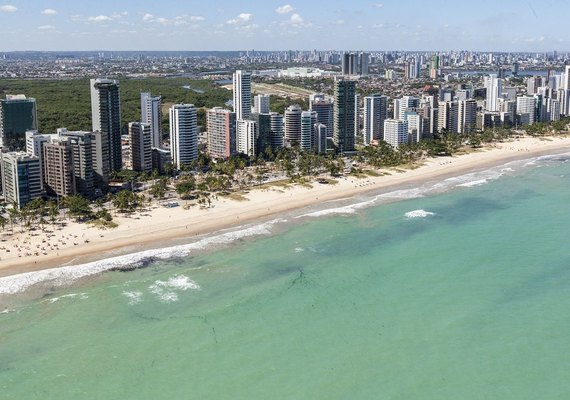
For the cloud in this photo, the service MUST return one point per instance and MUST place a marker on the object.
(148, 17)
(8, 8)
(378, 5)
(49, 11)
(287, 8)
(296, 19)
(242, 18)
(46, 27)
(196, 18)
(100, 18)
(339, 22)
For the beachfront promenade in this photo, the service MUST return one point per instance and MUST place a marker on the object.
(77, 243)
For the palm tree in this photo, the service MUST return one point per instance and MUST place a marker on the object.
(3, 221)
(13, 215)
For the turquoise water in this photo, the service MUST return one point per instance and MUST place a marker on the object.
(463, 294)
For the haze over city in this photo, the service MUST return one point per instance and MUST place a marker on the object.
(487, 25)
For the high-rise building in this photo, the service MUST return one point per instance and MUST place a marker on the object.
(405, 104)
(308, 122)
(395, 132)
(434, 70)
(183, 134)
(343, 114)
(34, 145)
(526, 110)
(160, 158)
(321, 132)
(242, 94)
(553, 109)
(245, 135)
(375, 112)
(17, 115)
(82, 148)
(466, 116)
(221, 132)
(355, 64)
(100, 157)
(324, 109)
(293, 125)
(21, 178)
(140, 138)
(415, 126)
(58, 175)
(34, 142)
(151, 114)
(494, 86)
(262, 131)
(106, 117)
(276, 130)
(261, 104)
(448, 117)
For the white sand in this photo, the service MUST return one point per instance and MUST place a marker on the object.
(78, 241)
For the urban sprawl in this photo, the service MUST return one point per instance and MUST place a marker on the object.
(365, 100)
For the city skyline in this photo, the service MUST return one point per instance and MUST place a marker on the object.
(278, 25)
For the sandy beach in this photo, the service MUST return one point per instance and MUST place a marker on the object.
(77, 243)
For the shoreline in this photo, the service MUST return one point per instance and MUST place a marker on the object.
(156, 227)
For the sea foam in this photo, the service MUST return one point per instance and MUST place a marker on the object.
(64, 275)
(167, 291)
(418, 214)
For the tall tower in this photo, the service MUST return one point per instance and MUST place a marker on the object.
(151, 114)
(21, 178)
(221, 126)
(140, 135)
(106, 117)
(183, 134)
(395, 132)
(276, 130)
(344, 114)
(324, 110)
(308, 122)
(261, 104)
(293, 125)
(245, 137)
(375, 112)
(17, 115)
(494, 86)
(467, 116)
(242, 94)
(58, 172)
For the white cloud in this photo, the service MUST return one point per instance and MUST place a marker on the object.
(8, 8)
(49, 11)
(196, 18)
(379, 5)
(148, 17)
(243, 17)
(287, 8)
(46, 27)
(296, 19)
(100, 18)
(378, 26)
(339, 22)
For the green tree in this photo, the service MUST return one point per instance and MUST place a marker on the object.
(185, 186)
(126, 201)
(78, 207)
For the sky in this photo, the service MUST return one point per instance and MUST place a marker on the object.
(483, 25)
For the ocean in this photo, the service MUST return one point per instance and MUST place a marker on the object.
(455, 289)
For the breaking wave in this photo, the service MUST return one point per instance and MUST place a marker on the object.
(64, 275)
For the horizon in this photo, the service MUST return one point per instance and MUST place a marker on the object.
(126, 25)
